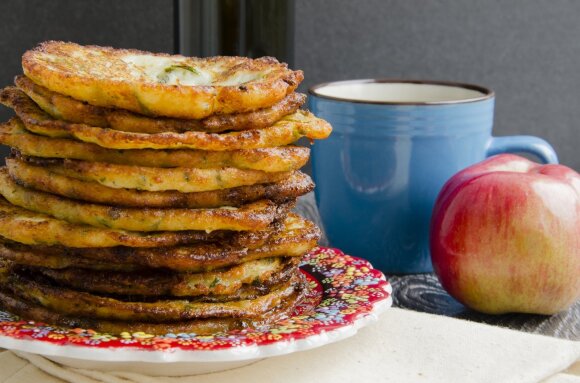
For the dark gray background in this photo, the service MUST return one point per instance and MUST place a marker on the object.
(140, 24)
(528, 51)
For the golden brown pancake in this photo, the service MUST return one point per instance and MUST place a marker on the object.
(82, 304)
(185, 180)
(30, 228)
(278, 159)
(285, 131)
(294, 239)
(66, 108)
(42, 178)
(159, 84)
(243, 281)
(38, 313)
(253, 216)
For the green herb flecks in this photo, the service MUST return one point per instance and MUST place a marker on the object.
(188, 68)
(103, 222)
(163, 77)
(214, 283)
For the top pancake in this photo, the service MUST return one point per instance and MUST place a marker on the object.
(159, 84)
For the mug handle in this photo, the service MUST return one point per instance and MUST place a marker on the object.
(524, 144)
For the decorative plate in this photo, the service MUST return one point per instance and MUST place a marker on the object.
(345, 293)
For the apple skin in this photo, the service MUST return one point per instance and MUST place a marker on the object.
(505, 236)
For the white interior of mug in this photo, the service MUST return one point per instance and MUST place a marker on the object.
(401, 92)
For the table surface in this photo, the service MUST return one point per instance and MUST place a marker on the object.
(422, 292)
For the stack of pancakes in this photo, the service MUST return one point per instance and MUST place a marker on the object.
(149, 192)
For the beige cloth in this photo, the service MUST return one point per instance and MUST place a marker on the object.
(404, 346)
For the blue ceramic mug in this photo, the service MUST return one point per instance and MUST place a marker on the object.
(393, 146)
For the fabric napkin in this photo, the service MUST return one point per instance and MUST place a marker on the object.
(403, 346)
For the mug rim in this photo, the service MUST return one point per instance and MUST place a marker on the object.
(486, 92)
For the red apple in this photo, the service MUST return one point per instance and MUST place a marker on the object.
(505, 236)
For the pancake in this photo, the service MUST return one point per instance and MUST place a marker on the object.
(278, 159)
(30, 228)
(62, 107)
(38, 313)
(82, 304)
(243, 281)
(152, 192)
(41, 178)
(185, 180)
(159, 84)
(297, 237)
(285, 131)
(253, 216)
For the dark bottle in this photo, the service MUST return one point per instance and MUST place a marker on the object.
(251, 28)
